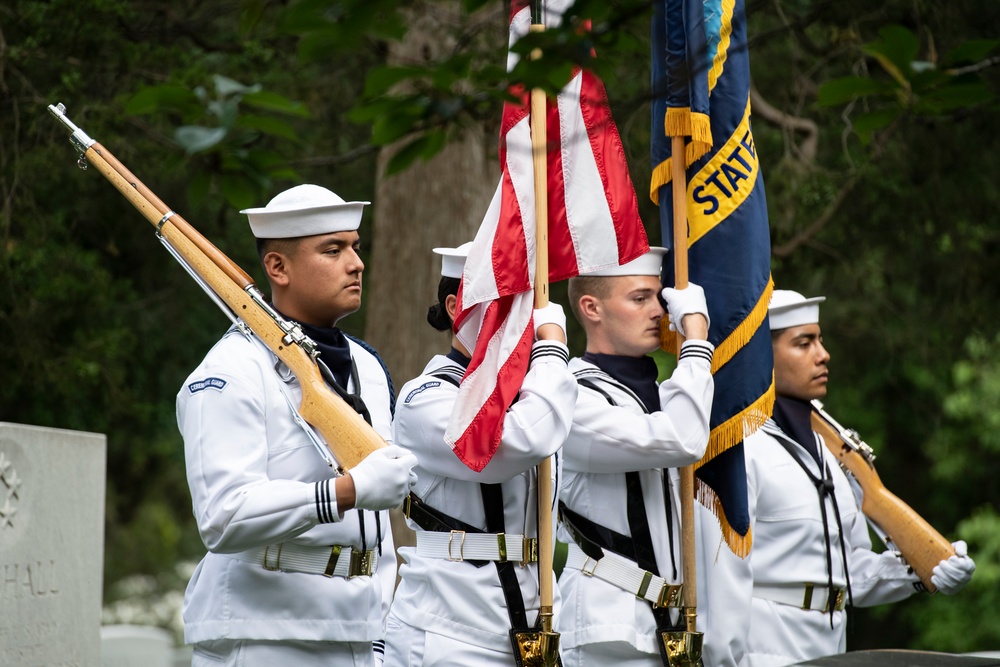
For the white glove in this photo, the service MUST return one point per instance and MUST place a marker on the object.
(951, 575)
(682, 302)
(550, 314)
(383, 478)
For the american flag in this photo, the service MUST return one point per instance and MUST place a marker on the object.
(593, 223)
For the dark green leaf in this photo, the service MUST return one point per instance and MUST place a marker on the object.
(271, 101)
(386, 130)
(970, 52)
(867, 123)
(424, 147)
(897, 44)
(270, 126)
(240, 192)
(845, 89)
(952, 97)
(381, 79)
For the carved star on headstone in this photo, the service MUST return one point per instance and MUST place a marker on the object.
(7, 513)
(13, 484)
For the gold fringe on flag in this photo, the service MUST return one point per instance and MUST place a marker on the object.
(735, 429)
(682, 122)
(738, 544)
(742, 334)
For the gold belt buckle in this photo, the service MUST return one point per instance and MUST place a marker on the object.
(461, 545)
(529, 553)
(671, 595)
(277, 560)
(835, 600)
(808, 597)
(331, 564)
(362, 563)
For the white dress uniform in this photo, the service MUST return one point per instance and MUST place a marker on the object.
(258, 482)
(790, 551)
(454, 613)
(606, 442)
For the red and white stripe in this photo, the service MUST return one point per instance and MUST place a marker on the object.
(593, 223)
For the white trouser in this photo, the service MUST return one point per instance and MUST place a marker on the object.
(406, 646)
(619, 654)
(256, 653)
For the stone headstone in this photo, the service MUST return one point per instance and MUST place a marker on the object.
(136, 646)
(51, 546)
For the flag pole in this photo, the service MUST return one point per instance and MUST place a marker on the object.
(680, 252)
(548, 638)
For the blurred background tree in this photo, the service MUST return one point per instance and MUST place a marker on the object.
(876, 124)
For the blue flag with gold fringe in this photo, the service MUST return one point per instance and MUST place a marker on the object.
(701, 91)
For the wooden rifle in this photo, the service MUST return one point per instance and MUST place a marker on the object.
(903, 529)
(348, 436)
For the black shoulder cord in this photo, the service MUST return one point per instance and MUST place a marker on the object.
(824, 487)
(358, 404)
(638, 522)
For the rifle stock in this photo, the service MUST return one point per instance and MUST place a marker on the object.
(921, 545)
(348, 436)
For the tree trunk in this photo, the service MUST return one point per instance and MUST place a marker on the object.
(440, 202)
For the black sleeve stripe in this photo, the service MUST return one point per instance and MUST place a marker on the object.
(550, 350)
(324, 510)
(696, 351)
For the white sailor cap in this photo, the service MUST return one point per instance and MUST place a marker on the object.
(648, 264)
(791, 309)
(453, 260)
(305, 210)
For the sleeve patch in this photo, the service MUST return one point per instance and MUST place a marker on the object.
(217, 384)
(424, 387)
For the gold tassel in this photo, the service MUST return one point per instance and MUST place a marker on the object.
(739, 426)
(742, 334)
(738, 544)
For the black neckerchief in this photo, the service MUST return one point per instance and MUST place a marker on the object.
(637, 373)
(333, 350)
(794, 418)
(459, 358)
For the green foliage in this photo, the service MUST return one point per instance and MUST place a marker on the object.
(469, 83)
(914, 86)
(220, 130)
(100, 326)
(966, 621)
(216, 106)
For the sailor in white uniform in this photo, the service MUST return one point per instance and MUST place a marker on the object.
(812, 554)
(619, 502)
(474, 572)
(300, 565)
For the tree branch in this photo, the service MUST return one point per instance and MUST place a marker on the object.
(790, 246)
(817, 225)
(788, 123)
(981, 65)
